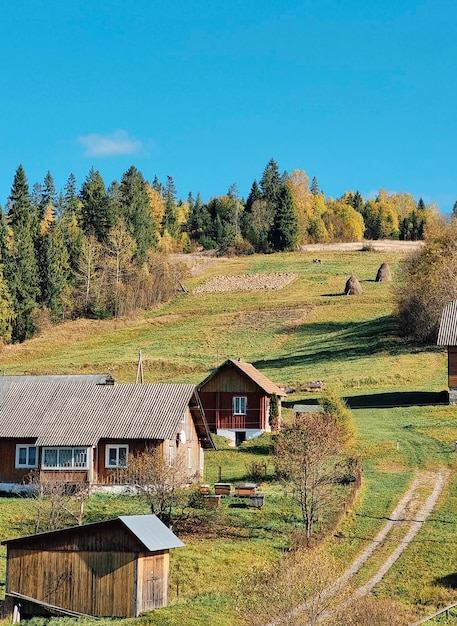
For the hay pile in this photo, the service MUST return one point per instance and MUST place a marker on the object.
(353, 287)
(384, 274)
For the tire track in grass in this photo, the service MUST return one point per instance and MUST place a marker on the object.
(411, 497)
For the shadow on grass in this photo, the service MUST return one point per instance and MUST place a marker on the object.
(449, 581)
(398, 399)
(328, 342)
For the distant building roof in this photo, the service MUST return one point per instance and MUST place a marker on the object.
(7, 381)
(73, 414)
(307, 408)
(147, 529)
(249, 370)
(447, 334)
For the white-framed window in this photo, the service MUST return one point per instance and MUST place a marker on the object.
(240, 405)
(190, 458)
(116, 455)
(64, 458)
(171, 456)
(26, 456)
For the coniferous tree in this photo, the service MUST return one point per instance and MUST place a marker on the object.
(136, 212)
(96, 213)
(70, 225)
(284, 230)
(314, 187)
(48, 196)
(56, 273)
(21, 269)
(170, 222)
(254, 194)
(271, 184)
(198, 221)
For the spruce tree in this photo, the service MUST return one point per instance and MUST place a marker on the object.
(21, 269)
(169, 221)
(96, 213)
(136, 212)
(314, 187)
(284, 230)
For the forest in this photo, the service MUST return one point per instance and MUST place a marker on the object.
(104, 251)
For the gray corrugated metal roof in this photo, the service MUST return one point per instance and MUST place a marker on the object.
(75, 415)
(148, 529)
(7, 381)
(151, 532)
(447, 334)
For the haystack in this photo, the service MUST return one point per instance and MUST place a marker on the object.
(353, 287)
(384, 274)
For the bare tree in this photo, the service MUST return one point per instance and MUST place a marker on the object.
(56, 503)
(306, 455)
(157, 479)
(293, 592)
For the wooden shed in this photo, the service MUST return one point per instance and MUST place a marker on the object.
(447, 336)
(117, 568)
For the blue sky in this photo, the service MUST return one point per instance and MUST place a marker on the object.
(359, 94)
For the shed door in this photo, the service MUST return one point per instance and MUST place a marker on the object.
(152, 593)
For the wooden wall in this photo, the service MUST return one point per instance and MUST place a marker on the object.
(104, 583)
(231, 380)
(218, 408)
(452, 366)
(8, 473)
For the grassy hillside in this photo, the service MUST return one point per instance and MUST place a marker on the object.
(304, 332)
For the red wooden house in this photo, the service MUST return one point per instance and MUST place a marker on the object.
(85, 433)
(236, 400)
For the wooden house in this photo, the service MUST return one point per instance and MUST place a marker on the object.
(236, 399)
(85, 433)
(117, 568)
(447, 336)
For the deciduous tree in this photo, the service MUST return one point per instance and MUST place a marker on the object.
(306, 456)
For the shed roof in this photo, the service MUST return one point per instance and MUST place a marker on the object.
(7, 381)
(447, 334)
(75, 414)
(152, 533)
(251, 372)
(147, 529)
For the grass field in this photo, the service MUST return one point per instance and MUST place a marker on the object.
(307, 331)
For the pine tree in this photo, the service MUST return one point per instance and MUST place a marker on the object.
(21, 269)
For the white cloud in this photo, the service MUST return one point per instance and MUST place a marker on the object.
(113, 144)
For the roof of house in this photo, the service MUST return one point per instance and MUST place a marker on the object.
(447, 334)
(81, 415)
(7, 381)
(147, 529)
(249, 370)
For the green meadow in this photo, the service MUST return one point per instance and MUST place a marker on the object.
(307, 331)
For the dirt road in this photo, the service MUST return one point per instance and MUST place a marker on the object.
(401, 527)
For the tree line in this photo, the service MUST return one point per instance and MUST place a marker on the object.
(102, 251)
